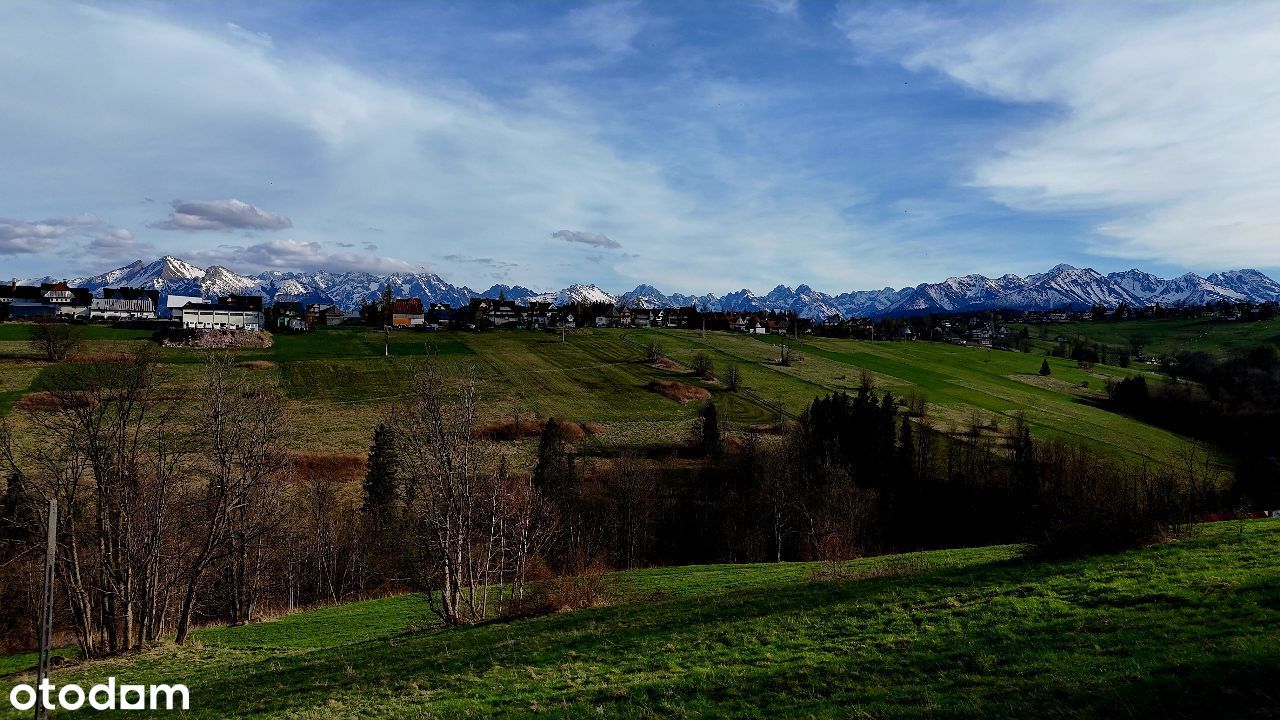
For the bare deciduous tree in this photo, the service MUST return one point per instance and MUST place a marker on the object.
(240, 427)
(104, 448)
(54, 341)
(472, 525)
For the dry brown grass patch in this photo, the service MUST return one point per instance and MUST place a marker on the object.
(666, 363)
(678, 391)
(256, 364)
(340, 468)
(44, 402)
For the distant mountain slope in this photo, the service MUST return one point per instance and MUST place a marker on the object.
(1061, 286)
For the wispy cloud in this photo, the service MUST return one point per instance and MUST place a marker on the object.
(1161, 120)
(780, 7)
(488, 262)
(221, 215)
(256, 39)
(612, 27)
(593, 239)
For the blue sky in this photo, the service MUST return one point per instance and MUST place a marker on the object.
(696, 146)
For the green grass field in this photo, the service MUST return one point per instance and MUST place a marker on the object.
(1163, 337)
(1187, 629)
(339, 383)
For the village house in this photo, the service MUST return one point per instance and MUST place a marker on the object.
(243, 302)
(439, 314)
(538, 315)
(644, 317)
(488, 312)
(125, 304)
(325, 314)
(407, 312)
(220, 316)
(288, 315)
(49, 300)
(174, 303)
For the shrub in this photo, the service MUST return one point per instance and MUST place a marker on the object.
(552, 593)
(1090, 505)
(702, 365)
(653, 351)
(732, 377)
(54, 341)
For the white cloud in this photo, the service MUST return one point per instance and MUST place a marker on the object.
(221, 215)
(117, 244)
(1164, 115)
(20, 237)
(296, 255)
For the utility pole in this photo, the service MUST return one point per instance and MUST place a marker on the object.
(386, 342)
(704, 326)
(46, 613)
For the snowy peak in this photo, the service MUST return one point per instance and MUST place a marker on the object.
(157, 274)
(1247, 282)
(645, 297)
(509, 292)
(172, 268)
(219, 281)
(1191, 289)
(576, 293)
(1137, 283)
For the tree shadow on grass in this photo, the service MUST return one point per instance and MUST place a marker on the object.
(810, 648)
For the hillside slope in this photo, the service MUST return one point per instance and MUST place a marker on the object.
(1187, 629)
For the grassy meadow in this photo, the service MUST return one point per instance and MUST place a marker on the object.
(340, 381)
(1163, 337)
(1186, 629)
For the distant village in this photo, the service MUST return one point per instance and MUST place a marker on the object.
(139, 306)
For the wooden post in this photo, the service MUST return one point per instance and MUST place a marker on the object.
(46, 613)
(386, 342)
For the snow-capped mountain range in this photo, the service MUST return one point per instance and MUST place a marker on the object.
(1061, 286)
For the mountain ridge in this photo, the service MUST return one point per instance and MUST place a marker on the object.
(1060, 286)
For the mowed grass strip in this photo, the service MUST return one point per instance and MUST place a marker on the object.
(594, 375)
(1181, 630)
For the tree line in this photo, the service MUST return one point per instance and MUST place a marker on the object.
(1233, 403)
